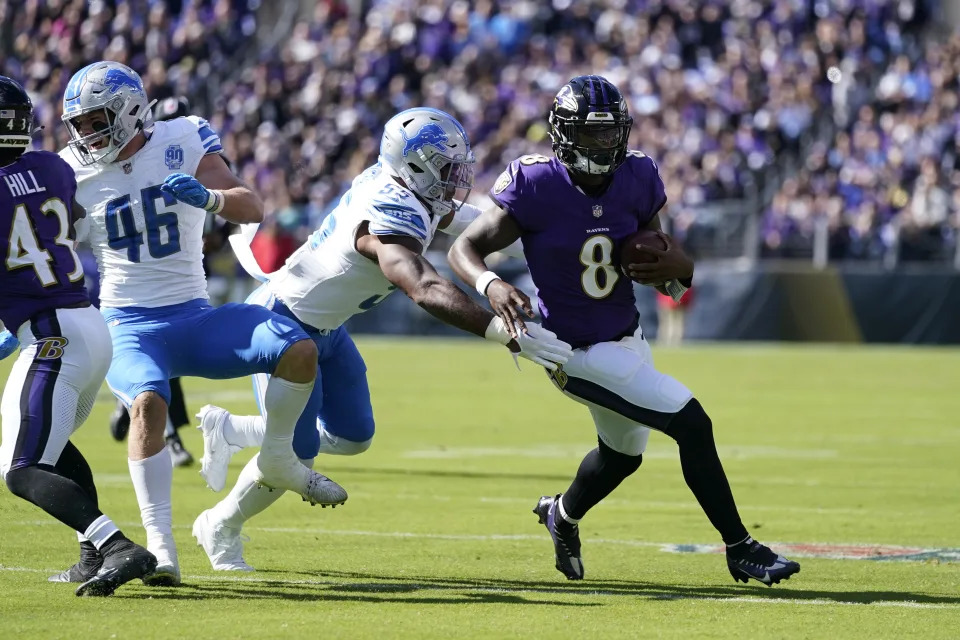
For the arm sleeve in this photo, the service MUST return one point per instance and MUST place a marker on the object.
(209, 139)
(392, 219)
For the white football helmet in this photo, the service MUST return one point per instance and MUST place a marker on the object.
(429, 150)
(118, 91)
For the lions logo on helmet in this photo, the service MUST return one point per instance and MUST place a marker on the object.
(429, 150)
(589, 125)
(430, 133)
(118, 91)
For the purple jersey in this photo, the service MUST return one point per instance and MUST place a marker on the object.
(38, 267)
(572, 241)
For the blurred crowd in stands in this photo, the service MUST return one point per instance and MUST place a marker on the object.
(732, 98)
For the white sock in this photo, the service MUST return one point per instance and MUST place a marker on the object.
(100, 530)
(246, 499)
(153, 483)
(81, 537)
(168, 430)
(244, 431)
(283, 402)
(563, 512)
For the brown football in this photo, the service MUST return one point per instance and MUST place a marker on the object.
(628, 250)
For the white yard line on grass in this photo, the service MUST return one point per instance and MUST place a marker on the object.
(799, 549)
(562, 452)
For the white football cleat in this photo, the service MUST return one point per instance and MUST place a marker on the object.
(223, 545)
(286, 472)
(216, 450)
(167, 573)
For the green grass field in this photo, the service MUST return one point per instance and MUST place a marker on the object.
(828, 445)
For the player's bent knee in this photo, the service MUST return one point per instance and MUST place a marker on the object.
(620, 464)
(691, 424)
(340, 446)
(350, 448)
(148, 413)
(298, 363)
(19, 481)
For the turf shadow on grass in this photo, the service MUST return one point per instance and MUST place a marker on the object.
(374, 587)
(334, 592)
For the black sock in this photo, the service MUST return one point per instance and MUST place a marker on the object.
(178, 407)
(89, 556)
(111, 544)
(601, 471)
(56, 494)
(702, 471)
(74, 466)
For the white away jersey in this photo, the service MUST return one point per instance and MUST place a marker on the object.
(326, 281)
(148, 245)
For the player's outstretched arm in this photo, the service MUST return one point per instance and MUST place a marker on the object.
(400, 260)
(216, 189)
(492, 231)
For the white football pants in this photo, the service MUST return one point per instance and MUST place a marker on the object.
(64, 357)
(626, 395)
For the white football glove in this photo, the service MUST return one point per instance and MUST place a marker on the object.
(543, 347)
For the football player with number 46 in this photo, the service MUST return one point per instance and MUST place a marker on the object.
(572, 213)
(147, 190)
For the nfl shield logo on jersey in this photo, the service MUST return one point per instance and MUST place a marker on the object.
(174, 157)
(597, 211)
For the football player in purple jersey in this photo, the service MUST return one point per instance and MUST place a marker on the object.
(572, 213)
(64, 354)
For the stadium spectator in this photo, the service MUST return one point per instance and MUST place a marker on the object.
(729, 97)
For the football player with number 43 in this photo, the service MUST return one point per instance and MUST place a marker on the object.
(64, 355)
(572, 213)
(147, 191)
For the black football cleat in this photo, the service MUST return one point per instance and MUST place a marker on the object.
(123, 561)
(750, 559)
(178, 453)
(119, 422)
(89, 565)
(566, 537)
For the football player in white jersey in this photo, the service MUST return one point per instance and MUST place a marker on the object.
(146, 191)
(369, 246)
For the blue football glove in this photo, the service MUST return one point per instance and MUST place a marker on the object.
(189, 190)
(8, 343)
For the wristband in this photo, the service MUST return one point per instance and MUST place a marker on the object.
(497, 331)
(675, 289)
(484, 281)
(215, 201)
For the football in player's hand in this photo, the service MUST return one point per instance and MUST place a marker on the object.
(629, 254)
